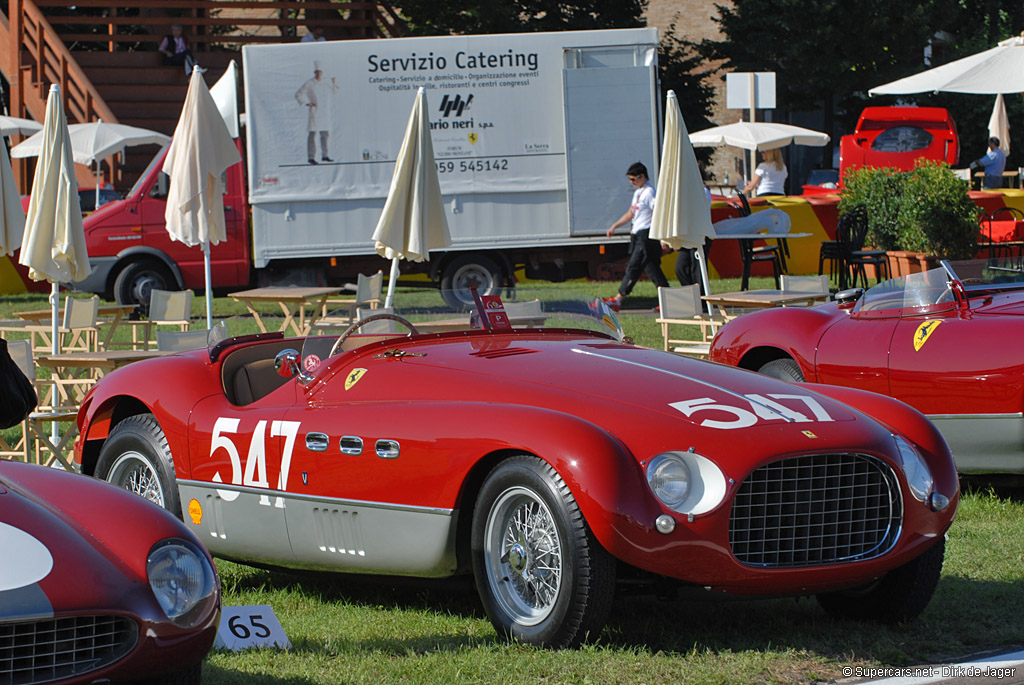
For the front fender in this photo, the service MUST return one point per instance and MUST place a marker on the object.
(752, 340)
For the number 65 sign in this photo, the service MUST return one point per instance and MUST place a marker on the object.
(248, 627)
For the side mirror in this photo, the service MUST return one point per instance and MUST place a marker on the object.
(287, 365)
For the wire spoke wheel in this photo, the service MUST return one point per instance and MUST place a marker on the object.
(135, 473)
(523, 555)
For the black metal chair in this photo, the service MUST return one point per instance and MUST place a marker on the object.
(851, 232)
(763, 253)
(1001, 252)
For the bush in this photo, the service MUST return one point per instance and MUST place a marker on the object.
(924, 210)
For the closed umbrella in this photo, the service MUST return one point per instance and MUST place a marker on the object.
(201, 150)
(996, 70)
(53, 247)
(413, 221)
(681, 215)
(10, 126)
(999, 124)
(94, 142)
(12, 218)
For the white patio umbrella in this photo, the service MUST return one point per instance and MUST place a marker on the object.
(94, 142)
(53, 247)
(12, 125)
(201, 150)
(413, 221)
(999, 124)
(681, 215)
(996, 70)
(758, 135)
(12, 218)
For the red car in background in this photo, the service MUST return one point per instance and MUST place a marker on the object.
(97, 585)
(896, 137)
(943, 341)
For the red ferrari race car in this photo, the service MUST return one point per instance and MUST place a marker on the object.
(941, 341)
(541, 451)
(97, 585)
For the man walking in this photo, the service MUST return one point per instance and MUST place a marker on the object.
(644, 253)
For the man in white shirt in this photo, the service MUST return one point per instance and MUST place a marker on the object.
(316, 95)
(644, 253)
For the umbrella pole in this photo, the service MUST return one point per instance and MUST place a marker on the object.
(54, 348)
(392, 279)
(97, 205)
(209, 293)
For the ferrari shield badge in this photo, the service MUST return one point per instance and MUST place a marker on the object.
(353, 377)
(923, 332)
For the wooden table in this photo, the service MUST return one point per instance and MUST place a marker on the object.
(117, 312)
(293, 300)
(762, 299)
(73, 372)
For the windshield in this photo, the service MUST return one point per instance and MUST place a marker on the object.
(902, 139)
(431, 311)
(158, 157)
(931, 291)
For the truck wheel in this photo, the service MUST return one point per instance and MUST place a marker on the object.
(467, 271)
(542, 576)
(784, 369)
(137, 280)
(135, 456)
(898, 596)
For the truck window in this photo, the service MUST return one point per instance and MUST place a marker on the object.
(159, 190)
(902, 139)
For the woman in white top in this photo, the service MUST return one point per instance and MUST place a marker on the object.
(770, 175)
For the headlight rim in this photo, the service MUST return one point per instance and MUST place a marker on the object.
(202, 602)
(919, 478)
(707, 483)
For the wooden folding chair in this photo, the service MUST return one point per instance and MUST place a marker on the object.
(79, 329)
(166, 308)
(368, 291)
(682, 306)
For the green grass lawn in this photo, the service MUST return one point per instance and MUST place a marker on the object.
(347, 629)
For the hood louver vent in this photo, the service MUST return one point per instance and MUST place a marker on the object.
(507, 352)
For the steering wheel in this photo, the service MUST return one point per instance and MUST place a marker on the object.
(954, 292)
(358, 324)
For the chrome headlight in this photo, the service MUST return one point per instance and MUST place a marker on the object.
(919, 476)
(686, 482)
(182, 580)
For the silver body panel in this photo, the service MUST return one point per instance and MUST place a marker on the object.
(316, 533)
(984, 443)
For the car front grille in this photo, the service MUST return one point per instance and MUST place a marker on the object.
(817, 509)
(43, 651)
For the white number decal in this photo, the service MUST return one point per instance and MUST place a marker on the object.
(743, 418)
(256, 461)
(761, 409)
(226, 425)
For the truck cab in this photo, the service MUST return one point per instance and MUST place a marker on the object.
(896, 137)
(132, 253)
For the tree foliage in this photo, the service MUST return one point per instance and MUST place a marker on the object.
(428, 17)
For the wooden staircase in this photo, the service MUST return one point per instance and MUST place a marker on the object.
(122, 79)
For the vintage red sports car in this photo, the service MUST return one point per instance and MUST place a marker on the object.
(548, 457)
(941, 341)
(97, 585)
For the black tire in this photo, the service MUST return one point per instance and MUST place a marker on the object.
(466, 271)
(553, 588)
(135, 457)
(898, 596)
(784, 369)
(136, 281)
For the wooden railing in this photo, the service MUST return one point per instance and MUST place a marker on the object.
(40, 58)
(226, 23)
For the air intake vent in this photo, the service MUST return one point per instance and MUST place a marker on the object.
(507, 352)
(819, 509)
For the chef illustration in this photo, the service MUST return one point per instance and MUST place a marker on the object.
(316, 96)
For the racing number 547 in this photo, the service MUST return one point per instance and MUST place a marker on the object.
(255, 474)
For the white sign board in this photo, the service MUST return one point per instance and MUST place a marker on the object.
(249, 626)
(495, 108)
(738, 86)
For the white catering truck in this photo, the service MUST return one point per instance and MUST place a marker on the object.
(532, 135)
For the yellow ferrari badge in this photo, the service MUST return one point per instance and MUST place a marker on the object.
(923, 332)
(809, 434)
(472, 138)
(353, 377)
(195, 511)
